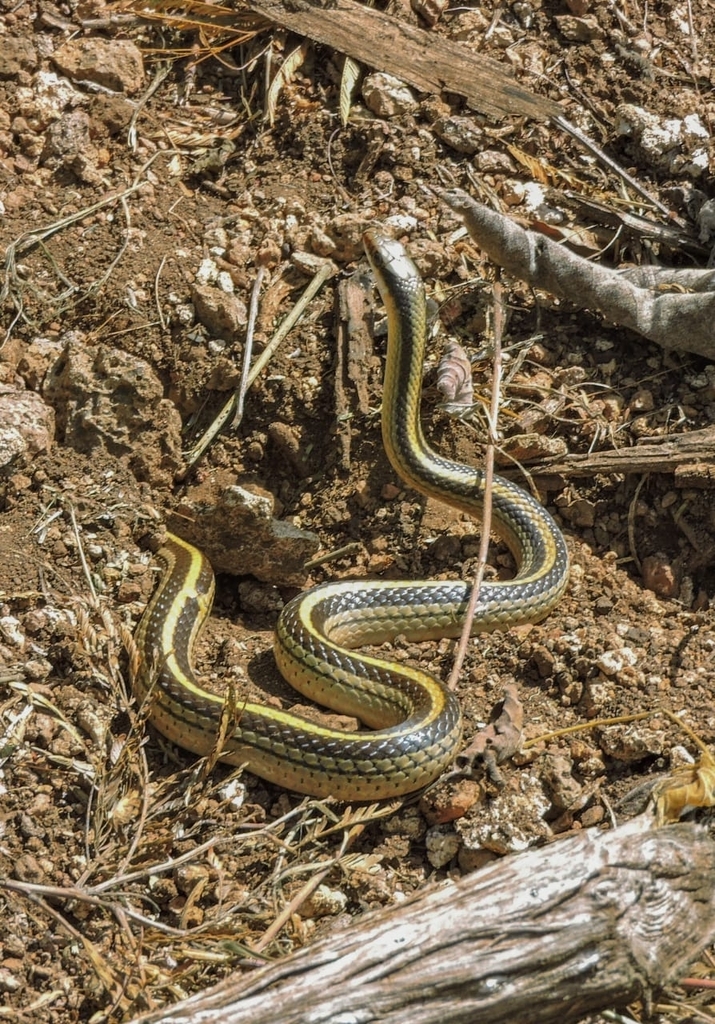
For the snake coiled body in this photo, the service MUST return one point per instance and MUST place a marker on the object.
(416, 721)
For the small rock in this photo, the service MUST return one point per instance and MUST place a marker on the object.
(659, 575)
(128, 591)
(613, 662)
(459, 133)
(668, 143)
(632, 743)
(510, 822)
(544, 661)
(562, 787)
(387, 96)
(285, 439)
(362, 493)
(222, 313)
(494, 161)
(579, 30)
(108, 399)
(581, 512)
(188, 876)
(27, 426)
(324, 902)
(446, 549)
(68, 145)
(592, 816)
(474, 860)
(8, 981)
(642, 401)
(16, 54)
(27, 869)
(237, 531)
(36, 670)
(115, 64)
(114, 111)
(269, 253)
(259, 598)
(442, 845)
(450, 801)
(406, 822)
(45, 100)
(37, 358)
(390, 491)
(431, 257)
(603, 605)
(344, 237)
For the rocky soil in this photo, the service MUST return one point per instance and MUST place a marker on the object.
(143, 192)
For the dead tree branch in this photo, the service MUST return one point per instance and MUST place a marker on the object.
(673, 308)
(597, 920)
(422, 59)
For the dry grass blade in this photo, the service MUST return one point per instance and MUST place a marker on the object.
(349, 79)
(219, 28)
(248, 347)
(285, 75)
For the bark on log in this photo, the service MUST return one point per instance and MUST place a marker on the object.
(596, 920)
(422, 59)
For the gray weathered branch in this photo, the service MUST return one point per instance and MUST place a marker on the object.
(596, 920)
(677, 319)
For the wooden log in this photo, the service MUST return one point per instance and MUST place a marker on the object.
(422, 59)
(594, 921)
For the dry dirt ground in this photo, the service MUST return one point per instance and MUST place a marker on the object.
(126, 315)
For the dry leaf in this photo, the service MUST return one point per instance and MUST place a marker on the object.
(685, 789)
(285, 75)
(348, 86)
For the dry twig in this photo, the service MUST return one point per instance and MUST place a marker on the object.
(325, 271)
(461, 651)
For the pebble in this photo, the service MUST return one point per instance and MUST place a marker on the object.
(459, 133)
(8, 981)
(442, 846)
(114, 64)
(451, 801)
(324, 902)
(387, 96)
(390, 491)
(659, 576)
(27, 426)
(188, 876)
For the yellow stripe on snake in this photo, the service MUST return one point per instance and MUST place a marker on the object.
(416, 720)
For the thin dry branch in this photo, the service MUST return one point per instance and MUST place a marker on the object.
(326, 269)
(674, 454)
(461, 651)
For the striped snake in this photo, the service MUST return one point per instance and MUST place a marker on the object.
(416, 721)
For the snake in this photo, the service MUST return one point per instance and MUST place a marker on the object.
(414, 722)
